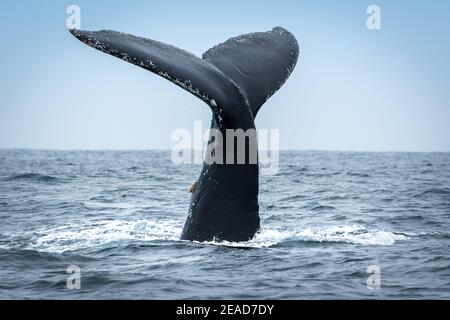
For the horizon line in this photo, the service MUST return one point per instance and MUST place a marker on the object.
(159, 149)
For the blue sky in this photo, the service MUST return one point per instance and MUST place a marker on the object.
(352, 89)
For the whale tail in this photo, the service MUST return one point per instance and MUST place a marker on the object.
(257, 64)
(234, 78)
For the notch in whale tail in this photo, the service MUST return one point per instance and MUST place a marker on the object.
(257, 64)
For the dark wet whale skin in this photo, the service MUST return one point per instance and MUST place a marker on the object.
(225, 201)
(235, 79)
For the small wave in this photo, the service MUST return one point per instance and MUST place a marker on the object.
(97, 205)
(426, 234)
(322, 175)
(37, 177)
(133, 168)
(322, 208)
(358, 174)
(436, 191)
(292, 198)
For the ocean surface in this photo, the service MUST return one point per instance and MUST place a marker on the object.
(326, 217)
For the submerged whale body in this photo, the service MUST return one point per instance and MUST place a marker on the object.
(235, 79)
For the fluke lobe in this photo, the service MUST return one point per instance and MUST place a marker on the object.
(235, 79)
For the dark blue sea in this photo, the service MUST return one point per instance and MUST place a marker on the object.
(326, 217)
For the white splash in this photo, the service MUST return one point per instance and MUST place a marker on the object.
(263, 239)
(355, 234)
(102, 234)
(110, 233)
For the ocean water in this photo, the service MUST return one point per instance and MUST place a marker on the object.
(326, 217)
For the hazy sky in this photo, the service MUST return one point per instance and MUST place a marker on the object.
(352, 89)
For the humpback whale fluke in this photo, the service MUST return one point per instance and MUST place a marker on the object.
(235, 79)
